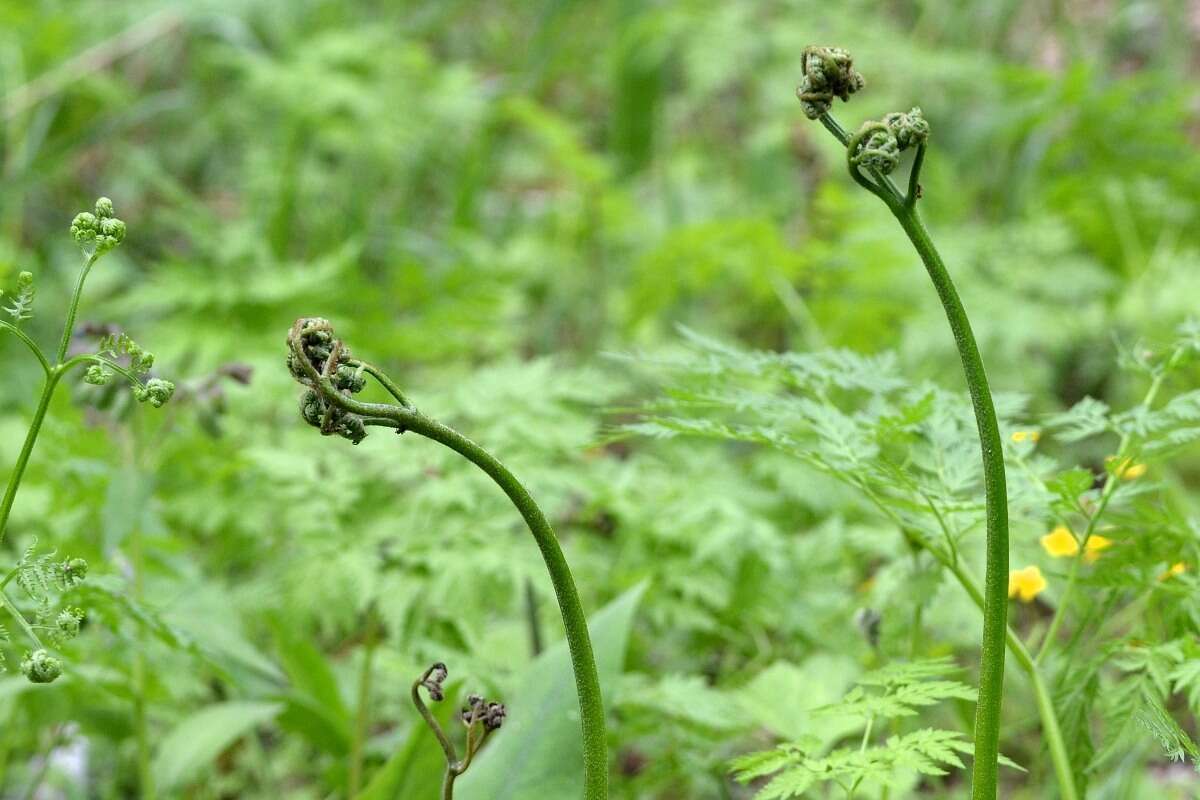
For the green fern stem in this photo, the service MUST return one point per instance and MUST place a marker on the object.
(35, 427)
(1051, 731)
(995, 582)
(73, 309)
(995, 592)
(583, 662)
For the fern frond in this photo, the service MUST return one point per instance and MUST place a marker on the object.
(21, 306)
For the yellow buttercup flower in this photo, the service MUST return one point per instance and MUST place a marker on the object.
(1060, 543)
(1178, 568)
(1026, 436)
(1026, 583)
(1128, 469)
(1094, 545)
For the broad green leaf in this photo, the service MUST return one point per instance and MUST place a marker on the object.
(782, 697)
(200, 738)
(538, 753)
(315, 708)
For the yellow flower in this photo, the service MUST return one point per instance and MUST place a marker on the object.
(1026, 583)
(1026, 436)
(1178, 568)
(1094, 545)
(1060, 542)
(1128, 469)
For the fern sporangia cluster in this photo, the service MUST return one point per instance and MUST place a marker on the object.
(97, 233)
(481, 717)
(333, 378)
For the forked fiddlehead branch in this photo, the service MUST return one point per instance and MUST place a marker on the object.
(872, 154)
(332, 378)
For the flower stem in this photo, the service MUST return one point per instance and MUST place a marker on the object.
(1110, 487)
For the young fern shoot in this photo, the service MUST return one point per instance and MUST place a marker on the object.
(96, 234)
(322, 363)
(480, 717)
(872, 153)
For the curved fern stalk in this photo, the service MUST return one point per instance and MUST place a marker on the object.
(322, 363)
(871, 154)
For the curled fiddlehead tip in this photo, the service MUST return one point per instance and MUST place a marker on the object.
(433, 681)
(828, 73)
(910, 128)
(875, 147)
(97, 233)
(71, 572)
(68, 622)
(879, 143)
(156, 392)
(41, 667)
(313, 353)
(98, 375)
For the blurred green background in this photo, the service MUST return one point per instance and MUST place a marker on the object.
(489, 199)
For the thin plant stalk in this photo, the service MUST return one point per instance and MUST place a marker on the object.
(995, 589)
(1106, 494)
(403, 418)
(362, 721)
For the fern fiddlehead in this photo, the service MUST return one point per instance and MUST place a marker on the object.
(96, 233)
(321, 363)
(481, 718)
(872, 153)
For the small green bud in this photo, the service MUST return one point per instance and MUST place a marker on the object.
(97, 375)
(143, 362)
(41, 667)
(98, 233)
(156, 392)
(910, 129)
(879, 151)
(68, 622)
(311, 408)
(353, 428)
(25, 283)
(828, 73)
(71, 572)
(84, 229)
(349, 379)
(113, 228)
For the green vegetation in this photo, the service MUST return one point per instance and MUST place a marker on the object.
(604, 239)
